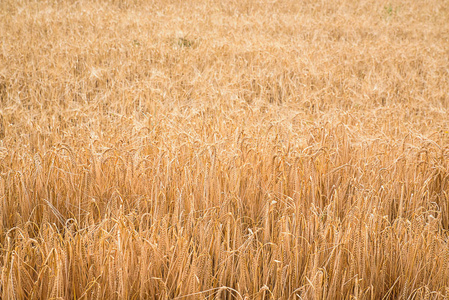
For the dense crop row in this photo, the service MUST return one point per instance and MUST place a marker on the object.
(224, 149)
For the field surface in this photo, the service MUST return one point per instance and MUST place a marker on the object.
(224, 149)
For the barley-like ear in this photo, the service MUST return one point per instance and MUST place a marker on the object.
(5, 282)
(405, 291)
(318, 285)
(445, 273)
(2, 127)
(426, 293)
(12, 277)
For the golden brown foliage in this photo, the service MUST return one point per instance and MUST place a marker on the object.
(224, 149)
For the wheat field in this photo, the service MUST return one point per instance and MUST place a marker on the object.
(224, 149)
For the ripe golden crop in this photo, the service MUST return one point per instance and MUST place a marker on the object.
(224, 149)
